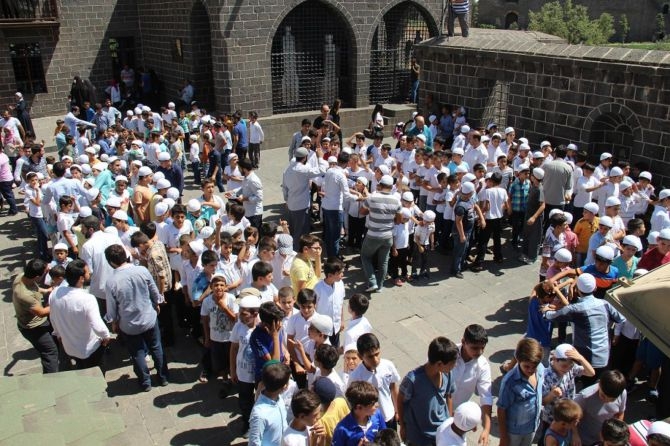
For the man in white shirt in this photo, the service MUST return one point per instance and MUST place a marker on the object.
(93, 253)
(296, 190)
(472, 373)
(250, 195)
(475, 152)
(336, 189)
(76, 319)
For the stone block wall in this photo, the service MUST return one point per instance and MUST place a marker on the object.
(602, 99)
(78, 46)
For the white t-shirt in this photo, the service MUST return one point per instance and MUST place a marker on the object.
(497, 197)
(582, 197)
(448, 208)
(220, 324)
(294, 437)
(446, 436)
(233, 184)
(34, 210)
(172, 235)
(335, 378)
(329, 301)
(401, 236)
(355, 329)
(245, 355)
(382, 378)
(64, 224)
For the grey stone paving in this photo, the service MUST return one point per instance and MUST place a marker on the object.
(405, 318)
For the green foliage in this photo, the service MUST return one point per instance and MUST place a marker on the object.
(625, 27)
(572, 22)
(660, 26)
(486, 26)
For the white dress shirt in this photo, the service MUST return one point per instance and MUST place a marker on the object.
(93, 253)
(470, 377)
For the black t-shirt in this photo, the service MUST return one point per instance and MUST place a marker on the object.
(466, 210)
(214, 161)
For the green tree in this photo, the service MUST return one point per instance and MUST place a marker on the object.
(572, 22)
(625, 27)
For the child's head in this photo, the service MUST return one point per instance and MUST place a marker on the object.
(226, 245)
(358, 305)
(306, 302)
(269, 313)
(611, 385)
(635, 226)
(351, 358)
(567, 413)
(320, 327)
(261, 274)
(562, 258)
(178, 215)
(251, 235)
(326, 357)
(65, 203)
(60, 252)
(310, 246)
(209, 260)
(57, 274)
(387, 437)
(369, 350)
(286, 300)
(474, 340)
(306, 407)
(249, 306)
(659, 434)
(614, 432)
(333, 269)
(528, 354)
(561, 360)
(236, 212)
(275, 376)
(442, 353)
(266, 249)
(363, 398)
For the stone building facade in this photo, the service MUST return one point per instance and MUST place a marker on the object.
(642, 14)
(600, 98)
(236, 53)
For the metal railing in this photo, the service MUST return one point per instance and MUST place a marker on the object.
(17, 11)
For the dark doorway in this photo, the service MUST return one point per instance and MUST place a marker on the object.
(312, 59)
(122, 50)
(610, 133)
(512, 20)
(400, 29)
(201, 54)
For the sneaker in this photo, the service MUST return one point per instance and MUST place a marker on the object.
(372, 289)
(398, 281)
(652, 396)
(146, 388)
(458, 275)
(476, 268)
(164, 382)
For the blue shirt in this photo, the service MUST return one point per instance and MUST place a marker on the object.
(349, 433)
(591, 318)
(538, 327)
(267, 422)
(240, 130)
(262, 344)
(604, 281)
(425, 406)
(522, 402)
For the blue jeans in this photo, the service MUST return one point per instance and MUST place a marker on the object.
(332, 227)
(195, 167)
(8, 194)
(414, 92)
(138, 347)
(379, 248)
(460, 251)
(42, 233)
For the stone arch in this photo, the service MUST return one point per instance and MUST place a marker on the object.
(613, 128)
(510, 18)
(312, 57)
(392, 46)
(200, 45)
(426, 11)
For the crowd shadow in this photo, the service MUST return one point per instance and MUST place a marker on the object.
(201, 399)
(23, 355)
(209, 436)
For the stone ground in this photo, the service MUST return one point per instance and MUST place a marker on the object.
(405, 318)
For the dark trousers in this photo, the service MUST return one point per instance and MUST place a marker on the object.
(195, 167)
(8, 194)
(332, 228)
(96, 359)
(493, 229)
(246, 393)
(423, 259)
(138, 347)
(356, 231)
(460, 252)
(335, 340)
(241, 152)
(254, 154)
(256, 221)
(40, 227)
(399, 263)
(517, 220)
(165, 316)
(42, 340)
(299, 225)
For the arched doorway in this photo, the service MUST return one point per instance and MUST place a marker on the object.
(610, 133)
(512, 20)
(312, 51)
(201, 56)
(393, 42)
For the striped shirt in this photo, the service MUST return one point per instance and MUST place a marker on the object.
(460, 6)
(383, 208)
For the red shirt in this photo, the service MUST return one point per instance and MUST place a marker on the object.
(653, 259)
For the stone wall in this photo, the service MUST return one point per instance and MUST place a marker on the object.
(78, 46)
(596, 97)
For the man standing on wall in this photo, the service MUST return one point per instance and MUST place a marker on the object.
(459, 9)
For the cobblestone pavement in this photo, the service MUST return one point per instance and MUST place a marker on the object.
(405, 319)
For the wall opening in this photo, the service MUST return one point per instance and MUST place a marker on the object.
(311, 54)
(610, 133)
(402, 27)
(201, 56)
(512, 20)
